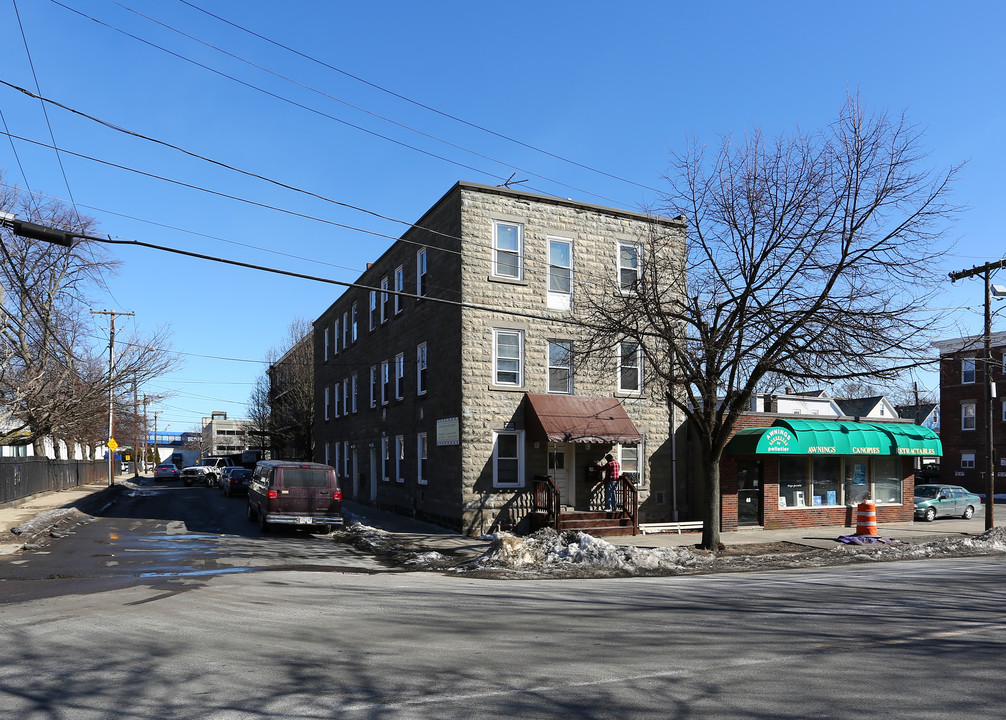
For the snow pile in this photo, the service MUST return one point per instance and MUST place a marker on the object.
(44, 521)
(575, 553)
(366, 537)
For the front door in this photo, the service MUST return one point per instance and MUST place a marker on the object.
(560, 462)
(749, 493)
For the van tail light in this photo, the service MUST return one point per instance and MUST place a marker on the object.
(337, 495)
(272, 494)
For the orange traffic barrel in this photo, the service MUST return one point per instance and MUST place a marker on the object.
(866, 518)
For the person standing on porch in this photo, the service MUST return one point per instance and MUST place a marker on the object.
(611, 472)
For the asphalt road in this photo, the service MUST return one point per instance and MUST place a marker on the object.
(176, 607)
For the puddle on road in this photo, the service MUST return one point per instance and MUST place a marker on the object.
(275, 568)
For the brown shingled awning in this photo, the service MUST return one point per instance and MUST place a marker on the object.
(574, 419)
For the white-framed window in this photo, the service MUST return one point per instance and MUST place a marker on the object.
(335, 405)
(399, 376)
(384, 459)
(421, 272)
(385, 382)
(630, 367)
(384, 299)
(345, 459)
(629, 461)
(325, 350)
(400, 458)
(968, 416)
(328, 456)
(508, 250)
(346, 330)
(560, 366)
(373, 386)
(508, 357)
(560, 273)
(354, 383)
(356, 322)
(345, 397)
(508, 459)
(373, 309)
(338, 458)
(630, 267)
(328, 403)
(421, 369)
(399, 288)
(335, 337)
(421, 458)
(967, 371)
(967, 460)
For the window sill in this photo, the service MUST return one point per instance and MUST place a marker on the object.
(507, 388)
(507, 280)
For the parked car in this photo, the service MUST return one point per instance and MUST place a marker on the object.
(206, 470)
(283, 492)
(234, 481)
(933, 501)
(166, 471)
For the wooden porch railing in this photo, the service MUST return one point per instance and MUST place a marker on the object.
(626, 500)
(546, 499)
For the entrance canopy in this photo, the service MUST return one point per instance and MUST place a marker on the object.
(831, 437)
(574, 419)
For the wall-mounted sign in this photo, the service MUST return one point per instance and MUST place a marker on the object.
(449, 431)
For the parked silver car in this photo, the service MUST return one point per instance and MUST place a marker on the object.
(933, 501)
(166, 471)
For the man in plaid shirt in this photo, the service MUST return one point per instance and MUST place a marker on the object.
(611, 472)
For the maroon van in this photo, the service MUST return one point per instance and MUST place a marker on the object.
(303, 494)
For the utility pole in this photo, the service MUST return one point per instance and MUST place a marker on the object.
(157, 455)
(990, 484)
(111, 444)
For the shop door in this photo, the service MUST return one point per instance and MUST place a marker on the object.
(749, 493)
(560, 459)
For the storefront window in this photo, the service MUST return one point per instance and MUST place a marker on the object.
(856, 480)
(887, 479)
(792, 480)
(827, 481)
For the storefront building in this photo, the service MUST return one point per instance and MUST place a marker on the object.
(805, 473)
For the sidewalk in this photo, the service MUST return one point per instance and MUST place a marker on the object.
(432, 537)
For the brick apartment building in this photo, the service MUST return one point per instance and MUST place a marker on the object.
(963, 411)
(445, 378)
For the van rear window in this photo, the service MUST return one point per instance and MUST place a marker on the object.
(305, 477)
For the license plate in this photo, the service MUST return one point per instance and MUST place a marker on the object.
(303, 521)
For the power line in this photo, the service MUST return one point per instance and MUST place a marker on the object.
(415, 102)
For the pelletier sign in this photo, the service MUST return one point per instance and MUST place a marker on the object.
(835, 437)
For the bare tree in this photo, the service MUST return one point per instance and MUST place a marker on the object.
(54, 380)
(809, 260)
(283, 400)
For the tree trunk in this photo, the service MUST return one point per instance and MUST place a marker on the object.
(711, 517)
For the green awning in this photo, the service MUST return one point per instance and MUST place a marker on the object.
(835, 437)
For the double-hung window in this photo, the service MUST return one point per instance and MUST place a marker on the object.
(400, 458)
(385, 382)
(335, 405)
(560, 273)
(508, 250)
(399, 376)
(345, 330)
(421, 458)
(421, 369)
(630, 267)
(630, 367)
(385, 452)
(328, 403)
(421, 272)
(356, 323)
(373, 386)
(967, 371)
(399, 288)
(345, 397)
(508, 357)
(384, 299)
(560, 366)
(967, 460)
(968, 416)
(353, 389)
(325, 350)
(335, 337)
(508, 459)
(373, 309)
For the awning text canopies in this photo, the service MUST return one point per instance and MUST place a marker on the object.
(835, 437)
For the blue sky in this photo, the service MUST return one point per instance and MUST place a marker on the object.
(613, 86)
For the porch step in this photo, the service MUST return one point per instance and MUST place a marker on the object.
(597, 524)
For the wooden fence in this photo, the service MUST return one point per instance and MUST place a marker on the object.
(21, 477)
